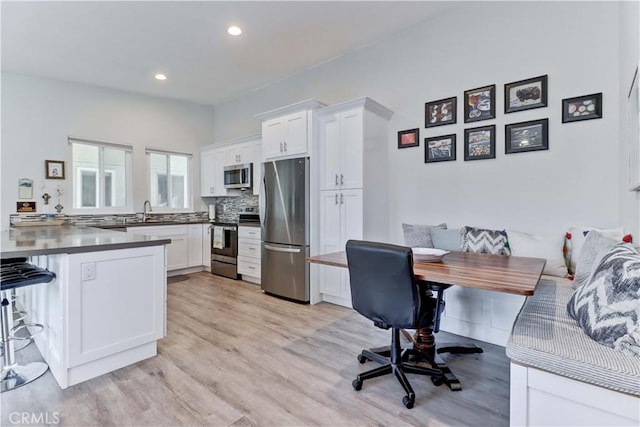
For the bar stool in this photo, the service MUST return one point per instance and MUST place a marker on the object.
(16, 273)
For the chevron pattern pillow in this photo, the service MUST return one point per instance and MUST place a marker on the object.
(607, 306)
(484, 241)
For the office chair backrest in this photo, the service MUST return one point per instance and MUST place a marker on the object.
(383, 287)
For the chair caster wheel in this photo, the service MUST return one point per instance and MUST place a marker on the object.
(437, 380)
(357, 384)
(362, 359)
(408, 402)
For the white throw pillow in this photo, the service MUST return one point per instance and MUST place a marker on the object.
(578, 234)
(548, 247)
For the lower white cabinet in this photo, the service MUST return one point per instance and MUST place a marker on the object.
(206, 247)
(249, 257)
(188, 247)
(194, 241)
(100, 322)
(341, 219)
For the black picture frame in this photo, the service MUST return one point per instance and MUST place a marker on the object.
(409, 138)
(440, 112)
(480, 143)
(526, 136)
(54, 169)
(440, 148)
(525, 94)
(480, 104)
(579, 108)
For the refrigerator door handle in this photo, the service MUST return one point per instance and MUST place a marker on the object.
(287, 250)
(262, 201)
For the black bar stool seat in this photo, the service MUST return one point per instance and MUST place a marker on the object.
(17, 273)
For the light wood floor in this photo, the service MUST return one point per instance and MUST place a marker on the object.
(234, 356)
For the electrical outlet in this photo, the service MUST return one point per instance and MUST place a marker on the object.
(88, 271)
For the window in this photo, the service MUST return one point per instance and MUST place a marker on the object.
(169, 180)
(101, 174)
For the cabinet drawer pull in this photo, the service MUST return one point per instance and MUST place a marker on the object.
(342, 199)
(341, 179)
(336, 198)
(336, 179)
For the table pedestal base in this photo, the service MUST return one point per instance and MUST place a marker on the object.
(424, 343)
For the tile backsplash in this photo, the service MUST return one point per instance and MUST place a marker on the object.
(228, 208)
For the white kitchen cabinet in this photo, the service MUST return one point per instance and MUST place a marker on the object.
(239, 154)
(97, 324)
(195, 237)
(353, 187)
(286, 132)
(206, 247)
(177, 250)
(257, 167)
(341, 216)
(341, 155)
(249, 253)
(212, 162)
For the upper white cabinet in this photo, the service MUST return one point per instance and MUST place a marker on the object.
(287, 131)
(240, 154)
(213, 159)
(212, 162)
(341, 154)
(257, 167)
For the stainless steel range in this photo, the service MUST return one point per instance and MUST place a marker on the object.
(224, 249)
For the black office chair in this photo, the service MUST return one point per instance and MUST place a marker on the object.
(384, 290)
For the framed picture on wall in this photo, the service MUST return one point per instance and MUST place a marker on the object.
(526, 136)
(408, 138)
(525, 94)
(440, 148)
(480, 104)
(54, 169)
(580, 108)
(440, 112)
(480, 143)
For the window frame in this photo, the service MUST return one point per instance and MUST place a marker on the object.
(101, 172)
(188, 186)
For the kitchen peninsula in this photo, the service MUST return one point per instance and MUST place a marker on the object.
(107, 306)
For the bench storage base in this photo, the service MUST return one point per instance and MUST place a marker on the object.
(540, 398)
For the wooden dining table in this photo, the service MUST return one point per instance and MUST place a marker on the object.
(499, 273)
(510, 274)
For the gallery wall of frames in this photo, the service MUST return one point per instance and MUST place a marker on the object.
(479, 105)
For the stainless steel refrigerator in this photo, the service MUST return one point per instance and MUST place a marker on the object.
(285, 228)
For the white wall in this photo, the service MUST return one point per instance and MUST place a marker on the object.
(575, 182)
(629, 58)
(39, 114)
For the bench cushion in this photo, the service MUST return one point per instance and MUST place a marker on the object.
(545, 337)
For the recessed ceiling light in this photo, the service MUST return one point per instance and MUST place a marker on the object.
(234, 30)
(160, 77)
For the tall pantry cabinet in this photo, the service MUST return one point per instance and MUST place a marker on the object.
(353, 186)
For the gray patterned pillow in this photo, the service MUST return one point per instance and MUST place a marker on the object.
(607, 307)
(419, 236)
(594, 247)
(484, 241)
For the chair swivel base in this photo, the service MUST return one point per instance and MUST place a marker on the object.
(15, 376)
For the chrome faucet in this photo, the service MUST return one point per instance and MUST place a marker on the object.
(145, 211)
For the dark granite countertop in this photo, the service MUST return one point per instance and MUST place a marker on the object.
(52, 239)
(120, 224)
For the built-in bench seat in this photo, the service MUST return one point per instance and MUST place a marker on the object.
(559, 375)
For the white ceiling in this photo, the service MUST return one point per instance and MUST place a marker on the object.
(123, 45)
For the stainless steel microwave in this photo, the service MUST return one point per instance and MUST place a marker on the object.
(238, 176)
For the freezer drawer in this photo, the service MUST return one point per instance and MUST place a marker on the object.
(285, 272)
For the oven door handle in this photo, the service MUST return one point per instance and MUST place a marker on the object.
(278, 249)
